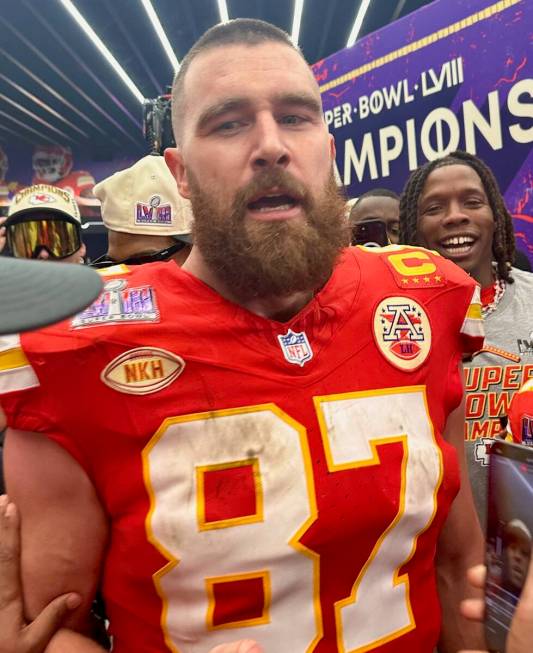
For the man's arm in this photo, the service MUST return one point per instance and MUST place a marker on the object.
(63, 529)
(17, 636)
(460, 547)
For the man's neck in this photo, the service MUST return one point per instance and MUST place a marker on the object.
(484, 276)
(281, 309)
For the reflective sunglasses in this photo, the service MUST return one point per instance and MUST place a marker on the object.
(162, 255)
(59, 237)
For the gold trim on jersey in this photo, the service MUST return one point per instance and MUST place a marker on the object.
(293, 542)
(473, 323)
(113, 270)
(375, 460)
(256, 621)
(397, 579)
(16, 372)
(258, 516)
(12, 359)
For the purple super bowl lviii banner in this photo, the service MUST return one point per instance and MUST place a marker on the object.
(457, 74)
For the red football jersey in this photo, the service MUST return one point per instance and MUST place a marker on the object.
(285, 482)
(76, 182)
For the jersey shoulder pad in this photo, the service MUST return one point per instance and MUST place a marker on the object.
(416, 267)
(131, 295)
(79, 178)
(16, 372)
(134, 274)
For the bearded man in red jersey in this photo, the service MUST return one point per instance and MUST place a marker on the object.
(262, 445)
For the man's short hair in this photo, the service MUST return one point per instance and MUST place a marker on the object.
(240, 31)
(377, 192)
(515, 531)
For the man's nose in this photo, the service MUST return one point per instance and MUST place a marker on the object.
(455, 214)
(43, 254)
(270, 148)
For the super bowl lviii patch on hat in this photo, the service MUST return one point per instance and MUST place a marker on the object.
(44, 198)
(402, 332)
(144, 199)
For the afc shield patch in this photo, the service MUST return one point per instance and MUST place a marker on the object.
(402, 332)
(295, 347)
(142, 370)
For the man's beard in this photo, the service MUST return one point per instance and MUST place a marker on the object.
(265, 258)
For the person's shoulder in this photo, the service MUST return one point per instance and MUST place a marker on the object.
(133, 274)
(78, 177)
(131, 295)
(413, 268)
(129, 300)
(16, 371)
(117, 299)
(522, 277)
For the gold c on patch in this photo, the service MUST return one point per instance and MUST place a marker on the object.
(402, 332)
(143, 370)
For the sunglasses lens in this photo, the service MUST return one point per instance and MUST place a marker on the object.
(59, 237)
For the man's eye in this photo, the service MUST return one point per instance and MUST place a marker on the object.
(432, 209)
(473, 203)
(228, 126)
(293, 120)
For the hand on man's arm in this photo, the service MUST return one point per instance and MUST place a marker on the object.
(16, 636)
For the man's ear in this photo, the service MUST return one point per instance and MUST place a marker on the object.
(174, 161)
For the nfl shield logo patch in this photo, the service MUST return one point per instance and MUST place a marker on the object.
(296, 347)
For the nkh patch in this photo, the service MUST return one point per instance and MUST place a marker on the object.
(142, 370)
(295, 347)
(402, 332)
(154, 212)
(119, 304)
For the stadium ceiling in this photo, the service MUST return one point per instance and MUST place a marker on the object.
(75, 72)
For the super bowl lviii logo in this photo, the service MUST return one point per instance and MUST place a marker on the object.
(402, 332)
(153, 213)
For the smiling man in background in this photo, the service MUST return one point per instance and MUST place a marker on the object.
(453, 205)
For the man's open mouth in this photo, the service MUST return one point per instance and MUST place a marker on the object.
(273, 202)
(457, 245)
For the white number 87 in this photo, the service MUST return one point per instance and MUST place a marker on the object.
(259, 546)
